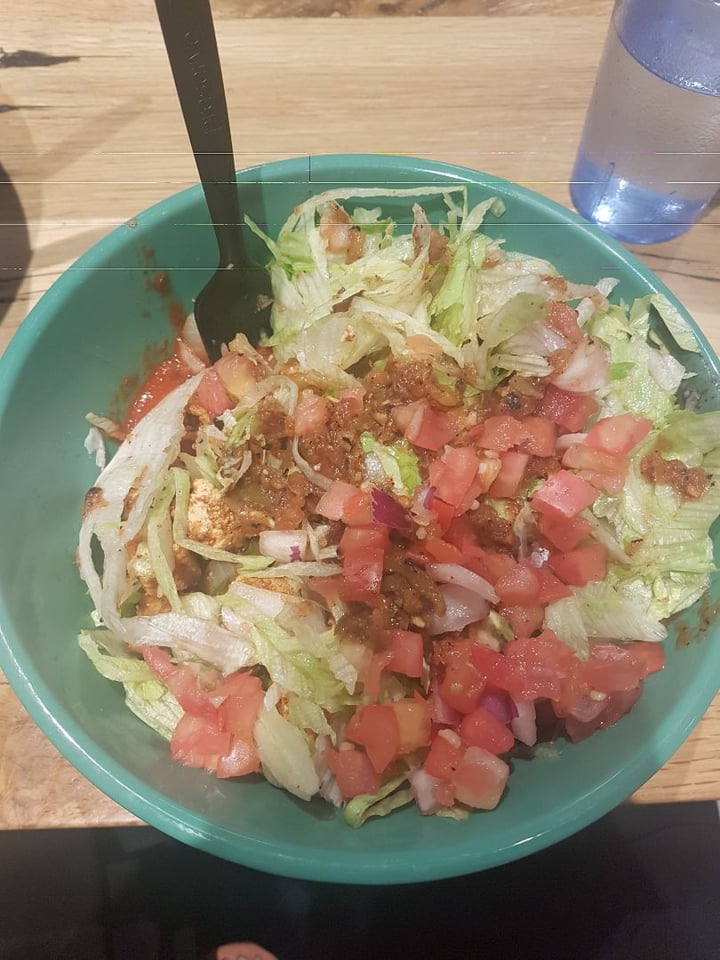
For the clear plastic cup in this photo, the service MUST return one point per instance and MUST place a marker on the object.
(649, 158)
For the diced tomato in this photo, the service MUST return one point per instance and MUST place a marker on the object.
(423, 426)
(441, 551)
(362, 573)
(376, 728)
(371, 674)
(500, 433)
(616, 705)
(481, 729)
(354, 539)
(562, 318)
(163, 378)
(490, 664)
(493, 566)
(518, 586)
(198, 742)
(311, 413)
(354, 772)
(611, 668)
(565, 533)
(181, 681)
(237, 373)
(511, 476)
(462, 686)
(241, 759)
(413, 717)
(238, 713)
(538, 436)
(504, 433)
(551, 589)
(618, 435)
(443, 511)
(212, 395)
(407, 652)
(524, 619)
(652, 655)
(581, 565)
(580, 456)
(603, 470)
(480, 779)
(333, 503)
(237, 684)
(603, 481)
(536, 667)
(445, 753)
(358, 510)
(567, 409)
(453, 476)
(564, 494)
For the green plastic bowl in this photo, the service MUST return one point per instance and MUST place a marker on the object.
(88, 332)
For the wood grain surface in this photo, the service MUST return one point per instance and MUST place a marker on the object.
(90, 133)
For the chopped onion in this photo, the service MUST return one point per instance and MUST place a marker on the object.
(568, 440)
(420, 506)
(312, 475)
(588, 709)
(440, 712)
(94, 444)
(190, 359)
(462, 607)
(386, 509)
(500, 705)
(587, 371)
(524, 725)
(191, 339)
(462, 577)
(288, 546)
(423, 788)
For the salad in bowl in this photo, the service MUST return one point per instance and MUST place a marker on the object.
(436, 521)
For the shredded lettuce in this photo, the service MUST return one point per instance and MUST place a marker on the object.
(145, 695)
(601, 610)
(388, 798)
(396, 461)
(285, 755)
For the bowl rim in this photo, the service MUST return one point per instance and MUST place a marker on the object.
(178, 821)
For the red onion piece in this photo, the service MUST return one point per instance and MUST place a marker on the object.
(440, 712)
(499, 704)
(283, 545)
(386, 509)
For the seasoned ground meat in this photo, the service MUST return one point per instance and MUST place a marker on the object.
(540, 468)
(408, 598)
(519, 396)
(690, 482)
(492, 531)
(336, 452)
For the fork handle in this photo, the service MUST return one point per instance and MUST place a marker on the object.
(189, 34)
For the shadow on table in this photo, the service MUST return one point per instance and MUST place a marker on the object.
(642, 884)
(14, 242)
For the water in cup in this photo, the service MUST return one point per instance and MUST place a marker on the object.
(649, 159)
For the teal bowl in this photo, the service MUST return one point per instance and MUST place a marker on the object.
(93, 328)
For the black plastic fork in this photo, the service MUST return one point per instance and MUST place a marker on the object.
(228, 303)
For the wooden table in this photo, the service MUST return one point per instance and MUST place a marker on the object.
(90, 133)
